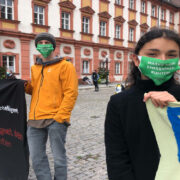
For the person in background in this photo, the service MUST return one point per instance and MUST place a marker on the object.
(118, 88)
(86, 79)
(10, 74)
(95, 77)
(132, 152)
(54, 90)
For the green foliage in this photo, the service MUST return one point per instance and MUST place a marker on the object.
(2, 73)
(103, 73)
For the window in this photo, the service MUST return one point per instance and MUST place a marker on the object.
(9, 62)
(65, 20)
(143, 7)
(117, 68)
(103, 28)
(6, 9)
(85, 67)
(131, 4)
(38, 15)
(171, 17)
(163, 14)
(153, 13)
(118, 32)
(85, 24)
(118, 2)
(131, 34)
(103, 64)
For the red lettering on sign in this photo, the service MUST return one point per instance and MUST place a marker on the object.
(6, 132)
(5, 143)
(18, 135)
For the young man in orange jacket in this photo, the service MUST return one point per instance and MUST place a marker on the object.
(54, 89)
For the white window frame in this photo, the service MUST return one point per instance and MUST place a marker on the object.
(86, 24)
(103, 28)
(103, 64)
(6, 7)
(118, 31)
(65, 20)
(143, 7)
(131, 34)
(153, 10)
(171, 15)
(117, 68)
(131, 4)
(85, 67)
(39, 20)
(118, 2)
(162, 14)
(11, 68)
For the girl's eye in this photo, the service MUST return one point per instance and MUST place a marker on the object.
(151, 54)
(172, 55)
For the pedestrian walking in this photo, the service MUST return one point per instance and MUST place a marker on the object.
(95, 77)
(54, 89)
(133, 147)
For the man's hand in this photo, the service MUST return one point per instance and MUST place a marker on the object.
(159, 98)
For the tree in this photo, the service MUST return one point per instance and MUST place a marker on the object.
(2, 73)
(103, 73)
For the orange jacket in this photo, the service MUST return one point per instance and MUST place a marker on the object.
(54, 91)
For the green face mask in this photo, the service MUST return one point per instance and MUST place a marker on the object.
(45, 49)
(158, 70)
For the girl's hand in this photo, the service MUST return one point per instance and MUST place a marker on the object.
(159, 98)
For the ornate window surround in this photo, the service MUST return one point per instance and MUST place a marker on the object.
(44, 4)
(15, 21)
(68, 7)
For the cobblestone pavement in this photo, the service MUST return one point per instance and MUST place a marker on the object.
(85, 137)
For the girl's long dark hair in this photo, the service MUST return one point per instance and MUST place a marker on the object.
(150, 35)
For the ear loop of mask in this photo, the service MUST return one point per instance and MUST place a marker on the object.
(139, 57)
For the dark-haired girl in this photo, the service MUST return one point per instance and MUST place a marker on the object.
(132, 152)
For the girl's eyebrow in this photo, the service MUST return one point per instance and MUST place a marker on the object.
(172, 51)
(157, 50)
(152, 49)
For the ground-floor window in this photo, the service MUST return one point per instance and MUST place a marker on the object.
(85, 67)
(103, 64)
(117, 68)
(9, 62)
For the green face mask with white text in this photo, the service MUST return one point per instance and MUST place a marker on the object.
(45, 49)
(158, 70)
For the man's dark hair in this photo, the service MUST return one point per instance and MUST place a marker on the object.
(155, 33)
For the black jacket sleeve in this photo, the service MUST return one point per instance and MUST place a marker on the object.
(118, 161)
